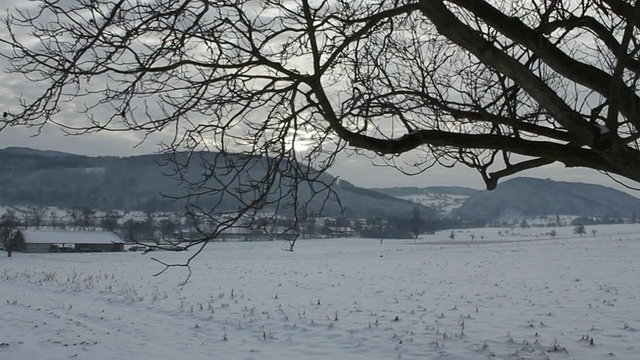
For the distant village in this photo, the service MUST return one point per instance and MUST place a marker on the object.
(50, 229)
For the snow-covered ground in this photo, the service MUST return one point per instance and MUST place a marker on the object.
(519, 295)
(444, 204)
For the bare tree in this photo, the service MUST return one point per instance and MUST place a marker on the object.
(54, 220)
(499, 86)
(168, 228)
(109, 221)
(87, 218)
(35, 216)
(415, 223)
(75, 217)
(9, 224)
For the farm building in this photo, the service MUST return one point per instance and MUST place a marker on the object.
(74, 241)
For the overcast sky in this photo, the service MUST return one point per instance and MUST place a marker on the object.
(356, 169)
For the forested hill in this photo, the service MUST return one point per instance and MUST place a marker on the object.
(520, 197)
(530, 196)
(49, 178)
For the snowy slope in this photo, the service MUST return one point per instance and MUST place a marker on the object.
(444, 204)
(507, 295)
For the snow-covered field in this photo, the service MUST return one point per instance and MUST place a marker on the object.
(565, 298)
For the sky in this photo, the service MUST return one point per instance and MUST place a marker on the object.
(358, 170)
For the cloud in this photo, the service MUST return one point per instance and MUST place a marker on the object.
(362, 171)
(115, 144)
(358, 169)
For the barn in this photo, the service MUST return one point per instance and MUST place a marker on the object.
(30, 240)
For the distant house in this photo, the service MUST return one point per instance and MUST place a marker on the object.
(338, 231)
(73, 241)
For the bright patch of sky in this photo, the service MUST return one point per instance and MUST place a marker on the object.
(364, 169)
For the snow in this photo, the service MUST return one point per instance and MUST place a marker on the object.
(515, 296)
(445, 204)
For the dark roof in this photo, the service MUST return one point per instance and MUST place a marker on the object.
(69, 237)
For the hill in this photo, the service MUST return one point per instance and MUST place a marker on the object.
(414, 190)
(47, 178)
(443, 199)
(532, 197)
